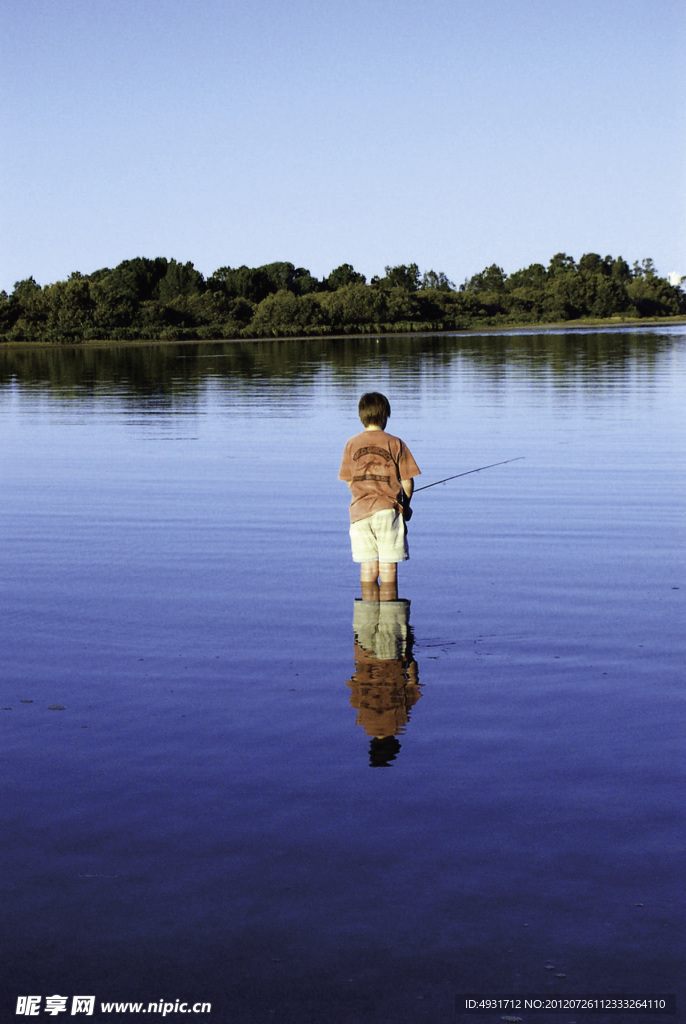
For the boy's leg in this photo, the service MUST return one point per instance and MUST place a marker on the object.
(369, 572)
(371, 590)
(389, 581)
(369, 578)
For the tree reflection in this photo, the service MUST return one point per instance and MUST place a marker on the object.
(183, 371)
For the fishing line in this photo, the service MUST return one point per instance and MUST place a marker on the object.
(479, 470)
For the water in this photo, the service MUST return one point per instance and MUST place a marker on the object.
(193, 805)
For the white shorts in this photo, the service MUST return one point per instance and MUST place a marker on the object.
(380, 538)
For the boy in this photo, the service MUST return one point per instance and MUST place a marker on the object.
(379, 470)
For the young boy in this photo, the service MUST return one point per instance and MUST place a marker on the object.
(379, 470)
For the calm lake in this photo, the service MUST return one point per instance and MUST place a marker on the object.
(194, 804)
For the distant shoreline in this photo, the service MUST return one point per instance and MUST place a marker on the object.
(491, 329)
(143, 300)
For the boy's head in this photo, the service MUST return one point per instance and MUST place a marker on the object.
(374, 409)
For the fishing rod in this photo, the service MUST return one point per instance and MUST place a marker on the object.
(479, 470)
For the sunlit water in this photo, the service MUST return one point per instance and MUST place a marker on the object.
(193, 807)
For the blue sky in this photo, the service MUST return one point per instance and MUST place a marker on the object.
(452, 134)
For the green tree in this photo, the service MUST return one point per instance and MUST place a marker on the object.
(492, 279)
(251, 283)
(343, 275)
(180, 279)
(565, 296)
(160, 298)
(115, 308)
(646, 268)
(526, 292)
(279, 275)
(29, 309)
(354, 307)
(604, 284)
(592, 263)
(400, 307)
(604, 295)
(561, 263)
(137, 280)
(284, 313)
(119, 295)
(6, 317)
(436, 282)
(303, 283)
(405, 276)
(620, 270)
(71, 309)
(533, 277)
(651, 295)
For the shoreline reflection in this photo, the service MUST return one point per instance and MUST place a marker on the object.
(385, 684)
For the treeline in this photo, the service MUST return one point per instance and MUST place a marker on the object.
(160, 299)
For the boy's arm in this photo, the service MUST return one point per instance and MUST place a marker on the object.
(345, 472)
(408, 491)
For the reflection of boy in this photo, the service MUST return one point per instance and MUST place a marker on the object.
(385, 684)
(379, 470)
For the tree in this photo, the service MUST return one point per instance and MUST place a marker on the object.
(283, 312)
(404, 276)
(28, 309)
(533, 278)
(646, 268)
(400, 305)
(604, 290)
(343, 275)
(71, 309)
(6, 317)
(565, 297)
(592, 263)
(492, 279)
(604, 296)
(431, 281)
(243, 282)
(137, 280)
(160, 298)
(257, 283)
(180, 279)
(620, 270)
(279, 275)
(526, 290)
(303, 283)
(561, 263)
(354, 307)
(653, 296)
(25, 291)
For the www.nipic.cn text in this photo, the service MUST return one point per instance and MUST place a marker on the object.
(34, 1006)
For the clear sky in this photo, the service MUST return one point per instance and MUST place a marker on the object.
(452, 134)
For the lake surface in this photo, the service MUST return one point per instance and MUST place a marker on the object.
(194, 805)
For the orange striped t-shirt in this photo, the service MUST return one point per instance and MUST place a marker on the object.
(374, 463)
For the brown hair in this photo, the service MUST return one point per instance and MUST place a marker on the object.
(374, 409)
